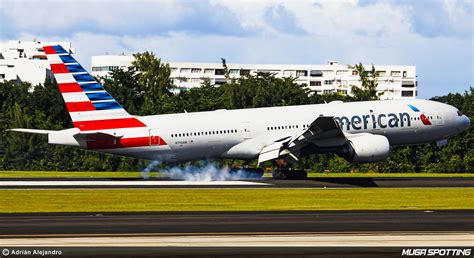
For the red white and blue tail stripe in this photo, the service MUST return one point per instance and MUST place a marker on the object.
(89, 105)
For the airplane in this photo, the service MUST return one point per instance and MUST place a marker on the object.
(356, 131)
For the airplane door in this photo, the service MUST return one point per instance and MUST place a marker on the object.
(246, 130)
(439, 118)
(155, 139)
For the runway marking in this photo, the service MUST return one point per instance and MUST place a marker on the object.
(129, 183)
(282, 240)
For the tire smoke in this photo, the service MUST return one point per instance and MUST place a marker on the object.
(208, 172)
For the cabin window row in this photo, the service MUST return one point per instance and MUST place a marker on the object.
(283, 127)
(203, 133)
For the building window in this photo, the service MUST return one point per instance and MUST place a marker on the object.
(264, 72)
(219, 72)
(185, 70)
(342, 72)
(328, 82)
(219, 81)
(234, 71)
(315, 83)
(195, 80)
(343, 92)
(406, 93)
(301, 73)
(355, 73)
(408, 84)
(244, 72)
(2, 76)
(404, 74)
(208, 71)
(174, 69)
(316, 73)
(395, 73)
(381, 73)
(196, 70)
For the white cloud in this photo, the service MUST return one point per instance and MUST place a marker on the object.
(379, 33)
(105, 15)
(250, 13)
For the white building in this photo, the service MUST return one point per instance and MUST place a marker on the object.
(394, 81)
(26, 61)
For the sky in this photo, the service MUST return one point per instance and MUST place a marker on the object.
(434, 35)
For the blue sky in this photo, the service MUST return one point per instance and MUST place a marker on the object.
(434, 35)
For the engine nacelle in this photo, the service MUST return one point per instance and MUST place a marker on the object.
(365, 148)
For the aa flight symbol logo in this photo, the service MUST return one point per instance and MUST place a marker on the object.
(424, 119)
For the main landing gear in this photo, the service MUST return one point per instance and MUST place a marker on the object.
(284, 170)
(289, 173)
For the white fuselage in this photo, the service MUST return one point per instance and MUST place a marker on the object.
(242, 134)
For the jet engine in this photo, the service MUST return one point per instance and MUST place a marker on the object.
(365, 148)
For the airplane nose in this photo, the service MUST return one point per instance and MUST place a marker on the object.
(466, 122)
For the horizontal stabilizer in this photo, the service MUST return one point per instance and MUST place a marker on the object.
(25, 130)
(96, 136)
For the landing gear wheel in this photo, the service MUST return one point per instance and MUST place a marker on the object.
(289, 174)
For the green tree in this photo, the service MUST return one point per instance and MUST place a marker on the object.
(154, 79)
(369, 83)
(124, 85)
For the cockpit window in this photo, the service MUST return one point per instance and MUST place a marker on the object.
(459, 113)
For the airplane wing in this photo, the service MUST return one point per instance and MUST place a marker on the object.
(324, 132)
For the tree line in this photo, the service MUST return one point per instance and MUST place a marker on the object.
(145, 88)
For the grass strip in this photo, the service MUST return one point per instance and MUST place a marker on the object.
(135, 200)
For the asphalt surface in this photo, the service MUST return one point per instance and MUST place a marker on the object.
(120, 226)
(21, 225)
(225, 224)
(349, 182)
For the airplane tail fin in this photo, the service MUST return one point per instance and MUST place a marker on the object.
(90, 106)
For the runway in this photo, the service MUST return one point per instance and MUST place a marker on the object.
(239, 234)
(198, 223)
(352, 182)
